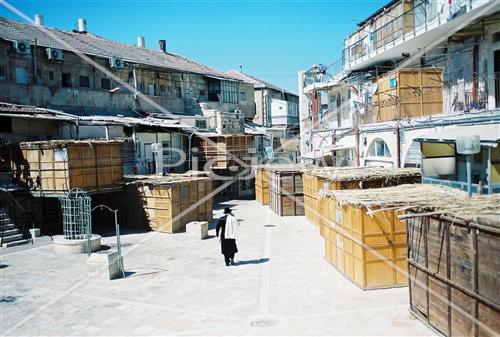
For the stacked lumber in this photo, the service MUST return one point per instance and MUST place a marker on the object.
(168, 203)
(54, 167)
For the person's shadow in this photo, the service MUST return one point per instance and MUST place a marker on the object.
(259, 261)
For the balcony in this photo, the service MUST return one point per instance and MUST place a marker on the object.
(418, 27)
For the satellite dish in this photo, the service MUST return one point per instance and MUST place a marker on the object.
(21, 47)
(118, 62)
(54, 53)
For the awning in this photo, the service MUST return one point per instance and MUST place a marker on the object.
(489, 134)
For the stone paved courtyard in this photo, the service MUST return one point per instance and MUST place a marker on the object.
(180, 286)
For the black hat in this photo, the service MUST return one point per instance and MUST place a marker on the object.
(227, 210)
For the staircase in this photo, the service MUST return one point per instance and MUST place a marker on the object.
(9, 234)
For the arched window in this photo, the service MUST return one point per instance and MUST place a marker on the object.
(379, 149)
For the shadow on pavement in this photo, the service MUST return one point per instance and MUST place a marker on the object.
(259, 261)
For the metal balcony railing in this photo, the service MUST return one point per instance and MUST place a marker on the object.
(485, 189)
(402, 26)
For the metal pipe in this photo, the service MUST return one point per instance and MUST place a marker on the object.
(469, 174)
(398, 146)
(490, 181)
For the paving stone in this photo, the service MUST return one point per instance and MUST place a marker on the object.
(180, 286)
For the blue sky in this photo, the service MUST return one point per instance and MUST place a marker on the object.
(272, 40)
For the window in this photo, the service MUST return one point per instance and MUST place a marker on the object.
(379, 149)
(140, 87)
(51, 75)
(495, 37)
(39, 73)
(5, 124)
(66, 80)
(243, 96)
(201, 124)
(84, 82)
(105, 83)
(3, 73)
(178, 91)
(152, 90)
(213, 90)
(21, 76)
(162, 88)
(229, 92)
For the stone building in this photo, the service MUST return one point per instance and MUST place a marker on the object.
(82, 73)
(274, 106)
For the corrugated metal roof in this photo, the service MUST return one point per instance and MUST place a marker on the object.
(33, 112)
(256, 82)
(132, 121)
(95, 45)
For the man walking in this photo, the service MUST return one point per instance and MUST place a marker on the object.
(228, 229)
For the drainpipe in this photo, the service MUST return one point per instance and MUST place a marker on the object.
(77, 128)
(490, 188)
(34, 61)
(475, 70)
(106, 131)
(398, 146)
(356, 137)
(190, 136)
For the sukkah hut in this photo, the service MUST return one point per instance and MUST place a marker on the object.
(50, 168)
(261, 185)
(366, 240)
(454, 264)
(286, 191)
(348, 178)
(262, 174)
(167, 203)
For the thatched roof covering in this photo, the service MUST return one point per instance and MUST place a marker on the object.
(170, 179)
(424, 200)
(365, 173)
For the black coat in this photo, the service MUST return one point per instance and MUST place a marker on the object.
(228, 246)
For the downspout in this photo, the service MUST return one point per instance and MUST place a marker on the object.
(34, 61)
(475, 70)
(490, 182)
(398, 145)
(356, 137)
(77, 128)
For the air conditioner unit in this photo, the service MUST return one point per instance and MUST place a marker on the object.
(55, 54)
(23, 47)
(115, 62)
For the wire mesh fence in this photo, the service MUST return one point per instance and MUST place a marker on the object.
(76, 210)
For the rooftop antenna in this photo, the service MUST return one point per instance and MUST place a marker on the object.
(241, 69)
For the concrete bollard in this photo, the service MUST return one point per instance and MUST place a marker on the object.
(197, 230)
(104, 265)
(35, 232)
